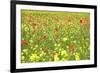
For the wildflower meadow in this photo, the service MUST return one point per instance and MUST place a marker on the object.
(54, 36)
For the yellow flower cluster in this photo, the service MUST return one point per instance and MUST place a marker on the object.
(77, 56)
(57, 45)
(42, 53)
(34, 57)
(56, 58)
(65, 39)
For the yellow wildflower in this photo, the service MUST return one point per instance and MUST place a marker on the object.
(63, 52)
(31, 41)
(58, 45)
(74, 41)
(23, 57)
(42, 53)
(77, 56)
(56, 57)
(36, 46)
(26, 28)
(60, 49)
(65, 39)
(25, 51)
(33, 57)
(67, 47)
(31, 47)
(55, 44)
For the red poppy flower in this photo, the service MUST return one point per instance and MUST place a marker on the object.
(33, 25)
(24, 42)
(56, 30)
(84, 21)
(68, 18)
(44, 37)
(44, 49)
(72, 48)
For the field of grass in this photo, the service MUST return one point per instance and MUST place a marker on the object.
(48, 36)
